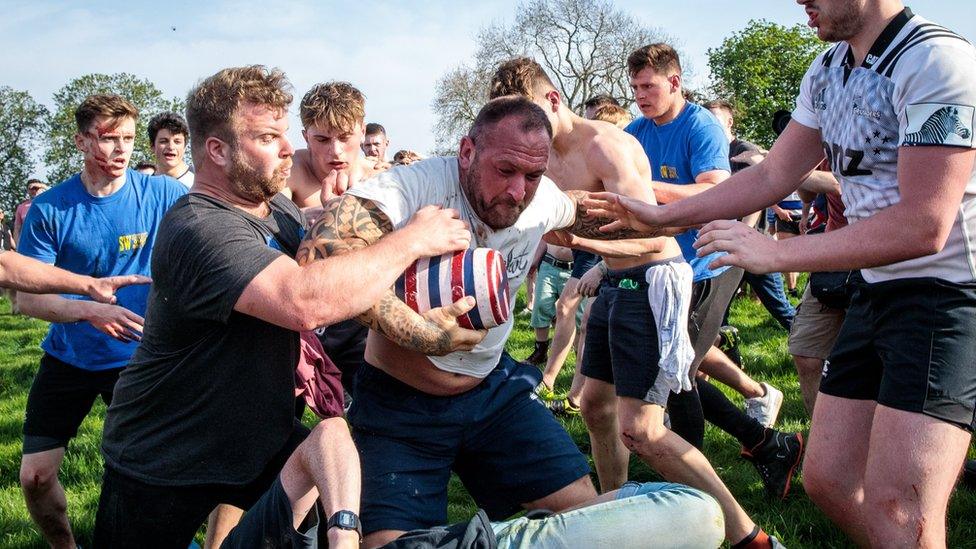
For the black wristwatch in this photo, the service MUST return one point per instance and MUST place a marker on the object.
(345, 520)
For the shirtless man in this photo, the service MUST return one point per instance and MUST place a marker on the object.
(624, 396)
(333, 116)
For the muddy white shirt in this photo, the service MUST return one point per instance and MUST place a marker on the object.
(916, 87)
(403, 190)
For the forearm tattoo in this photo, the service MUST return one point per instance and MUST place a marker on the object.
(588, 226)
(349, 223)
(400, 324)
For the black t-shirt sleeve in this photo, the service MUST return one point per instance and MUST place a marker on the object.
(213, 260)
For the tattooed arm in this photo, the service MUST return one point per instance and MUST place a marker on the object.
(588, 226)
(349, 224)
(309, 294)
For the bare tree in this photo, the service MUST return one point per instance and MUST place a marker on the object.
(582, 44)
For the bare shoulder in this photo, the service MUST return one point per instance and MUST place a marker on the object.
(613, 150)
(304, 188)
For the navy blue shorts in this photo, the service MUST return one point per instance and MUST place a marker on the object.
(622, 341)
(582, 262)
(499, 438)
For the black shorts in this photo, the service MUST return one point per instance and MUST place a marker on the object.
(582, 262)
(59, 399)
(269, 523)
(132, 513)
(792, 226)
(709, 300)
(622, 341)
(909, 344)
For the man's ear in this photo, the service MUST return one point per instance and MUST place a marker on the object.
(305, 136)
(466, 153)
(675, 80)
(81, 142)
(554, 99)
(218, 151)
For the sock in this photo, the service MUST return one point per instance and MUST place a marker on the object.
(755, 540)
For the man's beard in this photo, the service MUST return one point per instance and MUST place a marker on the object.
(488, 212)
(252, 184)
(844, 25)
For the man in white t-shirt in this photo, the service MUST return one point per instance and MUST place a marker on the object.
(418, 413)
(892, 105)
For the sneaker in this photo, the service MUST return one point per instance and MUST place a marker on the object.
(562, 407)
(776, 460)
(729, 344)
(545, 393)
(540, 355)
(765, 409)
(775, 543)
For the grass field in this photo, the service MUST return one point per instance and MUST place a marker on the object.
(795, 521)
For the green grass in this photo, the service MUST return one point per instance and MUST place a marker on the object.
(796, 521)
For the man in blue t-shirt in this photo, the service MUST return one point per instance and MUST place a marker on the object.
(101, 222)
(688, 151)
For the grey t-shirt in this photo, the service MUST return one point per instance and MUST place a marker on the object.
(208, 396)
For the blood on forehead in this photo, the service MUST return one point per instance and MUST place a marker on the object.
(113, 127)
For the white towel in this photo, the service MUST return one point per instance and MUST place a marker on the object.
(669, 292)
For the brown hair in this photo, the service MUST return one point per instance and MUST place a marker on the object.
(720, 104)
(338, 104)
(103, 104)
(519, 76)
(210, 105)
(660, 57)
(613, 114)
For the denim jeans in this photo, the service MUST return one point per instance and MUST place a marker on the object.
(652, 514)
(769, 290)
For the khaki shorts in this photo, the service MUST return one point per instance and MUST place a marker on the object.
(815, 328)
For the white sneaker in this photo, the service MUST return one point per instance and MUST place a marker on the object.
(765, 409)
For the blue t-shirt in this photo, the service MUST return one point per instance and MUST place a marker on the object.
(679, 151)
(98, 236)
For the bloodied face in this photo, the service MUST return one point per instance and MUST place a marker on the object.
(107, 146)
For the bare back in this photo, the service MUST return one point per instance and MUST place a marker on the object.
(597, 156)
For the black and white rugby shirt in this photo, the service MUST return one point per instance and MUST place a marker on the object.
(916, 87)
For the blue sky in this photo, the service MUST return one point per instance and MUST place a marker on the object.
(393, 51)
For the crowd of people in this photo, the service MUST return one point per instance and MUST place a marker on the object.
(210, 306)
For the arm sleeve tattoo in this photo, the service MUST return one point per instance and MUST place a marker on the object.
(350, 223)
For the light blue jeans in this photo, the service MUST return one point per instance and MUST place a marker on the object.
(653, 514)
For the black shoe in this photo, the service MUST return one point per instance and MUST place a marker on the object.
(541, 353)
(969, 473)
(729, 344)
(776, 460)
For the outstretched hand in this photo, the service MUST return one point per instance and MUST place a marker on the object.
(455, 338)
(745, 247)
(624, 212)
(103, 289)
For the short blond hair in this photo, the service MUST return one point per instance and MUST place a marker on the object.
(660, 57)
(336, 104)
(114, 107)
(211, 105)
(614, 114)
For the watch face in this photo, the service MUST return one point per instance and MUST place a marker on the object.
(346, 520)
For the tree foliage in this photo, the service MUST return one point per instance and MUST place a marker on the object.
(61, 157)
(582, 44)
(759, 70)
(21, 128)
